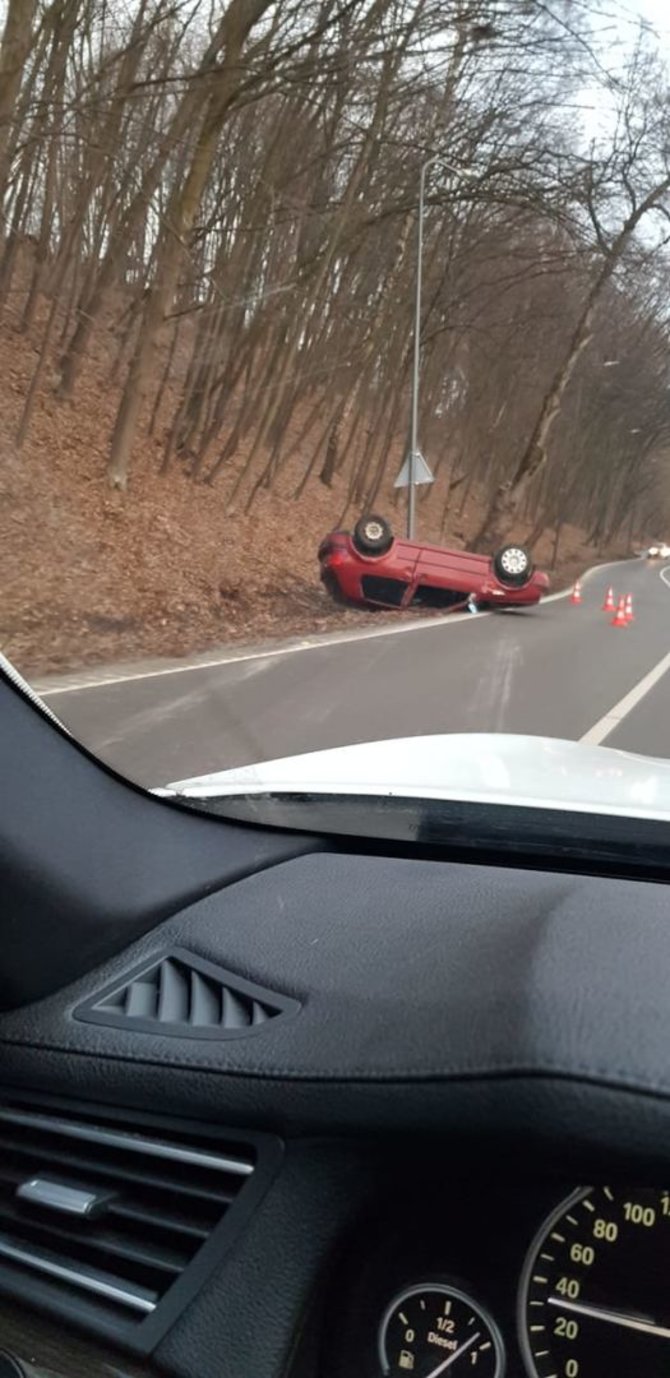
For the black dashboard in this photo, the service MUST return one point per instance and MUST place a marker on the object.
(400, 1068)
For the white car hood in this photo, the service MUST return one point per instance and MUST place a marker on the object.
(538, 772)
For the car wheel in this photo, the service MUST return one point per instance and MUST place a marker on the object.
(372, 536)
(512, 565)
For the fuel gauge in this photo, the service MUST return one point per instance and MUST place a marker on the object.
(434, 1329)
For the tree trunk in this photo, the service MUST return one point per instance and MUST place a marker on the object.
(123, 224)
(557, 537)
(17, 39)
(180, 215)
(329, 466)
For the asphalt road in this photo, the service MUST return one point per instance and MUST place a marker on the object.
(555, 670)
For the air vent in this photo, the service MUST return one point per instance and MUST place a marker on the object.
(107, 1216)
(183, 995)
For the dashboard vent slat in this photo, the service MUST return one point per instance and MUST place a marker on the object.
(137, 1001)
(172, 991)
(73, 1163)
(205, 1002)
(101, 1246)
(182, 995)
(156, 1198)
(102, 1284)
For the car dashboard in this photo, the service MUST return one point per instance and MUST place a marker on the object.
(480, 1270)
(322, 1108)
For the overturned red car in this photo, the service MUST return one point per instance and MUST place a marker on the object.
(371, 567)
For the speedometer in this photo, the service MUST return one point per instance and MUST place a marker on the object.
(594, 1299)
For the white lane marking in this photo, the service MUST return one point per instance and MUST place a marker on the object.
(100, 681)
(314, 644)
(616, 715)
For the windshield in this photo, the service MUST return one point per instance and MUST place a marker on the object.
(335, 353)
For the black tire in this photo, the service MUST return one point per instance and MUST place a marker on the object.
(372, 536)
(512, 566)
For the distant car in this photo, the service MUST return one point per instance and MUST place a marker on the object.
(371, 567)
(658, 552)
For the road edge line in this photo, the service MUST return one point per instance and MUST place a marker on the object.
(616, 715)
(46, 691)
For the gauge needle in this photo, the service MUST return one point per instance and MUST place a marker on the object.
(453, 1357)
(603, 1313)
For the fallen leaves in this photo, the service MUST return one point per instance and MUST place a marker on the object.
(91, 575)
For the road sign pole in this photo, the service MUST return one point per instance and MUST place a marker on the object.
(414, 439)
(414, 453)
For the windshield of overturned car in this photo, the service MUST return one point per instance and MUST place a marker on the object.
(335, 348)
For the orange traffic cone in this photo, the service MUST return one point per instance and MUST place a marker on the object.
(630, 616)
(576, 595)
(609, 604)
(620, 619)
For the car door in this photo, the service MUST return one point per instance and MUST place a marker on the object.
(443, 578)
(391, 580)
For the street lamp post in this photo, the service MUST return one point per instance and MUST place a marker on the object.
(416, 362)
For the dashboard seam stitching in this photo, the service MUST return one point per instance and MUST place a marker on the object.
(384, 1075)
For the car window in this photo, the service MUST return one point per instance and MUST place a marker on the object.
(336, 395)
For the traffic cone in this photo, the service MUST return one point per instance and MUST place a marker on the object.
(620, 619)
(576, 595)
(630, 616)
(609, 604)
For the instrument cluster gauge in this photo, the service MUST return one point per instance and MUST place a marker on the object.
(594, 1299)
(434, 1329)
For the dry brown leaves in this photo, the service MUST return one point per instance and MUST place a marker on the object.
(92, 576)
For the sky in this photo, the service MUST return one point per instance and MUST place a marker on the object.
(616, 22)
(657, 12)
(654, 12)
(616, 27)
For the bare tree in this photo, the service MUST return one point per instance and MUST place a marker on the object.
(225, 211)
(634, 174)
(17, 40)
